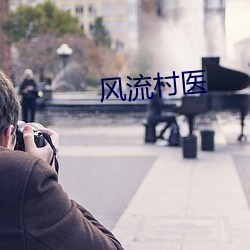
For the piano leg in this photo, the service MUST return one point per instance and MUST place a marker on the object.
(243, 114)
(241, 137)
(190, 123)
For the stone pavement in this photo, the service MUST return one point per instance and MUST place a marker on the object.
(184, 204)
(189, 204)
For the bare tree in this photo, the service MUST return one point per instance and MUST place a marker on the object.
(40, 54)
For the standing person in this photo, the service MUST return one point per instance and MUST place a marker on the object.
(29, 91)
(35, 212)
(154, 112)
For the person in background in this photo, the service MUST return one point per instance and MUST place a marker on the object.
(154, 112)
(29, 92)
(35, 212)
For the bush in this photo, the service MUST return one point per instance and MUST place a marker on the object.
(93, 81)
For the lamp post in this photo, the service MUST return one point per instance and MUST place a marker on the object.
(64, 51)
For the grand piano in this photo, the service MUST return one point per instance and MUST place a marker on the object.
(225, 91)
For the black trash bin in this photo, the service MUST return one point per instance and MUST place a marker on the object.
(189, 146)
(207, 140)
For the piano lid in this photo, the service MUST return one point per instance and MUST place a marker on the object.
(219, 78)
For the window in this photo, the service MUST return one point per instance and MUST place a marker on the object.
(119, 44)
(132, 26)
(119, 26)
(107, 25)
(92, 10)
(79, 10)
(119, 9)
(82, 26)
(105, 9)
(91, 27)
(67, 8)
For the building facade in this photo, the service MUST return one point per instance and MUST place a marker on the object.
(15, 3)
(120, 18)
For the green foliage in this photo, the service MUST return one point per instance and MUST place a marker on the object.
(42, 18)
(93, 81)
(100, 33)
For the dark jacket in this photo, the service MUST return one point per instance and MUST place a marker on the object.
(36, 214)
(31, 94)
(155, 105)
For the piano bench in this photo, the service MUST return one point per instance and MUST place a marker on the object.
(150, 132)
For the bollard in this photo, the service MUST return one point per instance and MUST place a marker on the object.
(150, 133)
(207, 140)
(189, 146)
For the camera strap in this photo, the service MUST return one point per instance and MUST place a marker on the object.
(48, 139)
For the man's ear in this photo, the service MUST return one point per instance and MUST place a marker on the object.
(7, 140)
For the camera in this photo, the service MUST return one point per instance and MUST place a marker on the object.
(38, 137)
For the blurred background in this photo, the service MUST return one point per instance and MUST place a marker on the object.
(110, 38)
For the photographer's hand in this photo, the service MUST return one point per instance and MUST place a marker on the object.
(45, 153)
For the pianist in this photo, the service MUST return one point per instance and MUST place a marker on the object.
(154, 112)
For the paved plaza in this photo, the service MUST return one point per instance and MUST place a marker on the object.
(149, 195)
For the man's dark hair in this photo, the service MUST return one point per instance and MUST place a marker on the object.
(9, 104)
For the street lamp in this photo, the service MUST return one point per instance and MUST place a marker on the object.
(64, 51)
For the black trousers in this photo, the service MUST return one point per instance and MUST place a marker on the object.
(168, 119)
(29, 109)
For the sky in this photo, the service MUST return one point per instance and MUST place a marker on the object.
(237, 23)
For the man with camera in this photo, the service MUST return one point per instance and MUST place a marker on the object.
(35, 212)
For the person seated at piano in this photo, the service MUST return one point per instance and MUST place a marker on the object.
(154, 112)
